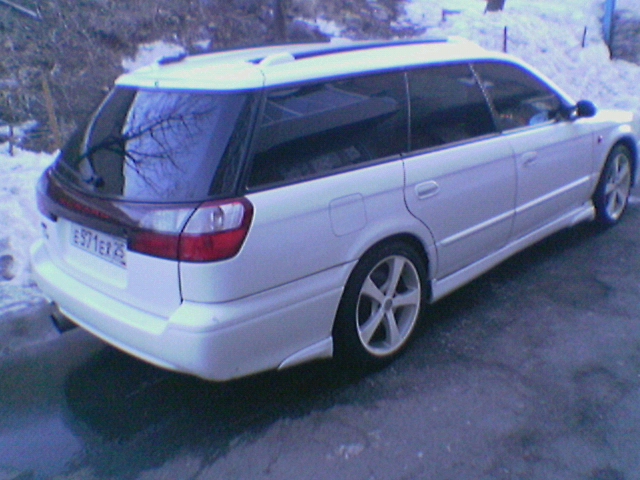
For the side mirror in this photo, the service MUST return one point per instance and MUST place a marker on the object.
(585, 109)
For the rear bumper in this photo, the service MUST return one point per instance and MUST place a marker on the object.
(281, 327)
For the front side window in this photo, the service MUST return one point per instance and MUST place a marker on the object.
(519, 98)
(313, 130)
(160, 146)
(447, 105)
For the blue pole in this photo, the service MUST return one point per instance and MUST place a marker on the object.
(609, 9)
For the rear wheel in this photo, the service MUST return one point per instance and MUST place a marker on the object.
(381, 304)
(612, 193)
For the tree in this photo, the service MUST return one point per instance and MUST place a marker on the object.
(280, 19)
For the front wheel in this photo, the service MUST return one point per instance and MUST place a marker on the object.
(381, 304)
(614, 187)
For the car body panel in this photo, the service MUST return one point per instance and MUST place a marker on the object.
(150, 283)
(469, 201)
(444, 286)
(294, 235)
(548, 182)
(611, 127)
(209, 340)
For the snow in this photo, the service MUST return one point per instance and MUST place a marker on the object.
(629, 5)
(329, 27)
(546, 33)
(19, 225)
(18, 131)
(149, 53)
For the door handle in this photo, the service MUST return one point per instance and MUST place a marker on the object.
(427, 189)
(528, 158)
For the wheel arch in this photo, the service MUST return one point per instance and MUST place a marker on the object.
(628, 142)
(611, 194)
(412, 240)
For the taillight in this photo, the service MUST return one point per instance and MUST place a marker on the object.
(209, 232)
(214, 231)
(162, 245)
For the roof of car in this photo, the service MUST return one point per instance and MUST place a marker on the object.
(253, 68)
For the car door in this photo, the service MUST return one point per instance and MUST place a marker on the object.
(460, 175)
(553, 152)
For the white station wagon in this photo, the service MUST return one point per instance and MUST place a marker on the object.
(240, 211)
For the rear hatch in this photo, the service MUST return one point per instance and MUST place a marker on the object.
(131, 195)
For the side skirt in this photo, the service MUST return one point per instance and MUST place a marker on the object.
(446, 285)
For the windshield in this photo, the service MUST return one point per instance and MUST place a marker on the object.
(147, 145)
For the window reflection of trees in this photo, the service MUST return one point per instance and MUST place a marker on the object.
(168, 143)
(152, 145)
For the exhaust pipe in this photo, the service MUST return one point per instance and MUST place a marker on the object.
(62, 323)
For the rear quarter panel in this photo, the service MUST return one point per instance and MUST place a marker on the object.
(305, 228)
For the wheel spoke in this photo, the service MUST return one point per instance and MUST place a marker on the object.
(623, 174)
(410, 298)
(369, 327)
(371, 290)
(397, 266)
(393, 334)
(611, 200)
(609, 188)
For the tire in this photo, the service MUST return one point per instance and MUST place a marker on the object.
(612, 192)
(381, 305)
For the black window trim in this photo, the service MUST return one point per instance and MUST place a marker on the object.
(244, 188)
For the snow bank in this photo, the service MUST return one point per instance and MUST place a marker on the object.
(548, 34)
(149, 53)
(19, 225)
(18, 131)
(19, 221)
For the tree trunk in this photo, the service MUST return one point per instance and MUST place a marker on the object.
(280, 19)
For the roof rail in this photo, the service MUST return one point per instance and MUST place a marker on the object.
(335, 45)
(173, 58)
(339, 47)
(276, 59)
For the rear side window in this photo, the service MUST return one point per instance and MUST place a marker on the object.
(519, 98)
(447, 105)
(160, 146)
(316, 129)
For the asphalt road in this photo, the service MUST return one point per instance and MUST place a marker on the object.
(530, 372)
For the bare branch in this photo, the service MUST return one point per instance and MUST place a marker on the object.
(31, 13)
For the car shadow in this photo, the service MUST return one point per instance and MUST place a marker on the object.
(132, 416)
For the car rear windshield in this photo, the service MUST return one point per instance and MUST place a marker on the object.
(160, 146)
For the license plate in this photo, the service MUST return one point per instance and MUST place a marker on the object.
(111, 249)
